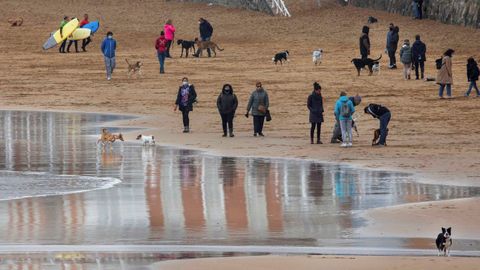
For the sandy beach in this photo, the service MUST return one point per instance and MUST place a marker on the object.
(435, 139)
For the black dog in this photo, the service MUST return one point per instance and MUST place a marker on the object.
(372, 20)
(186, 45)
(362, 63)
(444, 241)
(280, 57)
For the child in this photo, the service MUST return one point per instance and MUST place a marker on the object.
(472, 75)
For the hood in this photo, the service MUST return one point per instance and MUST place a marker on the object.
(343, 98)
(223, 89)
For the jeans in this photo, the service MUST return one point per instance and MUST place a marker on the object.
(393, 59)
(186, 120)
(161, 59)
(168, 45)
(109, 65)
(200, 50)
(70, 44)
(449, 90)
(420, 64)
(258, 121)
(346, 127)
(384, 120)
(312, 130)
(407, 69)
(85, 42)
(227, 122)
(473, 84)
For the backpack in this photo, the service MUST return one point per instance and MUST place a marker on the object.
(345, 110)
(438, 63)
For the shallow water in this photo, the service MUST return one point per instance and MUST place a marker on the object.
(171, 196)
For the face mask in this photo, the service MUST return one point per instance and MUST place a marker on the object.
(185, 83)
(109, 37)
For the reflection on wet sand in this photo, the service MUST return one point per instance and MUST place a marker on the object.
(178, 196)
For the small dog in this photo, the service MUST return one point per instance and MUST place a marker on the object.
(135, 68)
(444, 241)
(376, 68)
(376, 136)
(372, 20)
(146, 139)
(203, 45)
(368, 62)
(107, 137)
(187, 46)
(317, 56)
(15, 21)
(280, 57)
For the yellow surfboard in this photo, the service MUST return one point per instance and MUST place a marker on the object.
(80, 33)
(56, 38)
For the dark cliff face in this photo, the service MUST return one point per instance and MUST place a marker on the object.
(463, 12)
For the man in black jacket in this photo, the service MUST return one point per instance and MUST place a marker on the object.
(419, 50)
(392, 44)
(383, 114)
(206, 32)
(365, 42)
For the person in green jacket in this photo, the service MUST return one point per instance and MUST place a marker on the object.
(66, 19)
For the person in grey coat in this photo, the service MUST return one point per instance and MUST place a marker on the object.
(258, 104)
(406, 58)
(315, 106)
(227, 104)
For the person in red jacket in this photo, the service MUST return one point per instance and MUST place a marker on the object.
(86, 41)
(169, 35)
(161, 46)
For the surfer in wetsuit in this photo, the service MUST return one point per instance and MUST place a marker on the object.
(86, 41)
(66, 19)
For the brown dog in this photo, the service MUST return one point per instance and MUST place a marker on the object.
(134, 68)
(107, 137)
(203, 45)
(15, 21)
(376, 136)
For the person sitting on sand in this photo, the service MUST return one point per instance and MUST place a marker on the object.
(344, 110)
(383, 114)
(315, 106)
(337, 132)
(66, 19)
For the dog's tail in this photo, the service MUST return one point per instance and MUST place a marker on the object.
(220, 49)
(378, 58)
(126, 60)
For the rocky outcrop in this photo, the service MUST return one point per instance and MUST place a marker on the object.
(463, 12)
(257, 5)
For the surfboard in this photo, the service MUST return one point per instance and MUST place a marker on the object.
(92, 26)
(80, 33)
(57, 38)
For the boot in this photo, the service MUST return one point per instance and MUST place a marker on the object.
(311, 140)
(186, 129)
(422, 76)
(318, 141)
(231, 133)
(224, 133)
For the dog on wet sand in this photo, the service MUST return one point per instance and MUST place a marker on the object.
(135, 68)
(146, 139)
(107, 137)
(444, 241)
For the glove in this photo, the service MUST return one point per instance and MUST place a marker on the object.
(246, 115)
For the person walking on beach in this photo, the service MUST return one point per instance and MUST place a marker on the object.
(383, 114)
(344, 110)
(391, 46)
(86, 41)
(315, 106)
(227, 104)
(445, 76)
(161, 46)
(206, 32)
(419, 51)
(169, 31)
(109, 46)
(406, 58)
(258, 104)
(415, 9)
(65, 20)
(472, 75)
(186, 96)
(337, 132)
(365, 42)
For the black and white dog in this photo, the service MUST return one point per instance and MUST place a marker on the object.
(280, 57)
(186, 45)
(444, 241)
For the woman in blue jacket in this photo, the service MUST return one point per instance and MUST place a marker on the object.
(344, 110)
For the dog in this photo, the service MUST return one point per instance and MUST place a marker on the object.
(376, 136)
(367, 62)
(317, 56)
(444, 241)
(107, 137)
(372, 20)
(376, 68)
(187, 46)
(203, 45)
(135, 68)
(280, 57)
(15, 21)
(146, 139)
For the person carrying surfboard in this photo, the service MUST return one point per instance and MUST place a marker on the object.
(86, 41)
(109, 45)
(66, 19)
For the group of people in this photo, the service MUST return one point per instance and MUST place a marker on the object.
(85, 42)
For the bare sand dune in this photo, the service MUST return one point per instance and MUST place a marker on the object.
(438, 139)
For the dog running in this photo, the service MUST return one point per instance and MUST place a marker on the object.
(367, 62)
(135, 68)
(280, 57)
(146, 139)
(317, 56)
(444, 241)
(187, 46)
(107, 137)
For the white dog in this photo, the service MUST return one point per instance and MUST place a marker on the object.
(317, 56)
(146, 139)
(376, 68)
